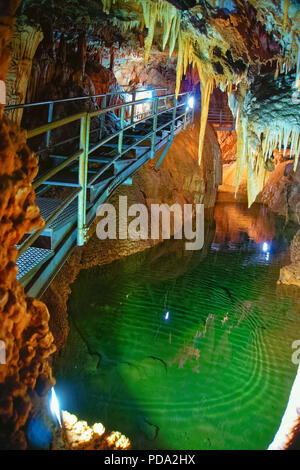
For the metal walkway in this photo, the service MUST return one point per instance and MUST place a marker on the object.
(103, 150)
(221, 119)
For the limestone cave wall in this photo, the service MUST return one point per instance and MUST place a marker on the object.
(24, 327)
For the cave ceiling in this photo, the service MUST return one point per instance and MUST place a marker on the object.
(230, 44)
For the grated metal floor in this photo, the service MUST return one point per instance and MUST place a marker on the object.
(31, 260)
(48, 206)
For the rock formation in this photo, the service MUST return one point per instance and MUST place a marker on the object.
(24, 325)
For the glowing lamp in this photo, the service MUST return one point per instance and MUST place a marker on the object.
(167, 316)
(145, 94)
(54, 406)
(265, 247)
(191, 102)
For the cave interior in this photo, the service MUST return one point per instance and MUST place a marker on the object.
(116, 333)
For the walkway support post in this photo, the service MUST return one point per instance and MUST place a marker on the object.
(82, 178)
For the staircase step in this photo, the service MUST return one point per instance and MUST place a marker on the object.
(49, 205)
(31, 261)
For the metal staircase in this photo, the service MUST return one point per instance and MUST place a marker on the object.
(76, 182)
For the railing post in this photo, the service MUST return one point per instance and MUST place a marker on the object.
(174, 115)
(171, 136)
(102, 117)
(50, 116)
(153, 137)
(120, 140)
(185, 114)
(82, 178)
(133, 106)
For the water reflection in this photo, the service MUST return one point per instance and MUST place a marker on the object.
(236, 224)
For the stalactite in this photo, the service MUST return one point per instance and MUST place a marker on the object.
(285, 15)
(168, 16)
(169, 25)
(241, 153)
(150, 15)
(256, 157)
(179, 67)
(253, 152)
(107, 5)
(207, 86)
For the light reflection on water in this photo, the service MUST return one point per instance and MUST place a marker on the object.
(182, 350)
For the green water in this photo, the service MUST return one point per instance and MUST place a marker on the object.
(186, 350)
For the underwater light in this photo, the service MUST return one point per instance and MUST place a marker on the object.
(167, 316)
(191, 102)
(54, 406)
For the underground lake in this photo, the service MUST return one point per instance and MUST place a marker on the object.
(187, 350)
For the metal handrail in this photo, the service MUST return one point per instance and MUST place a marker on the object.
(147, 136)
(85, 150)
(51, 104)
(57, 169)
(78, 98)
(54, 124)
